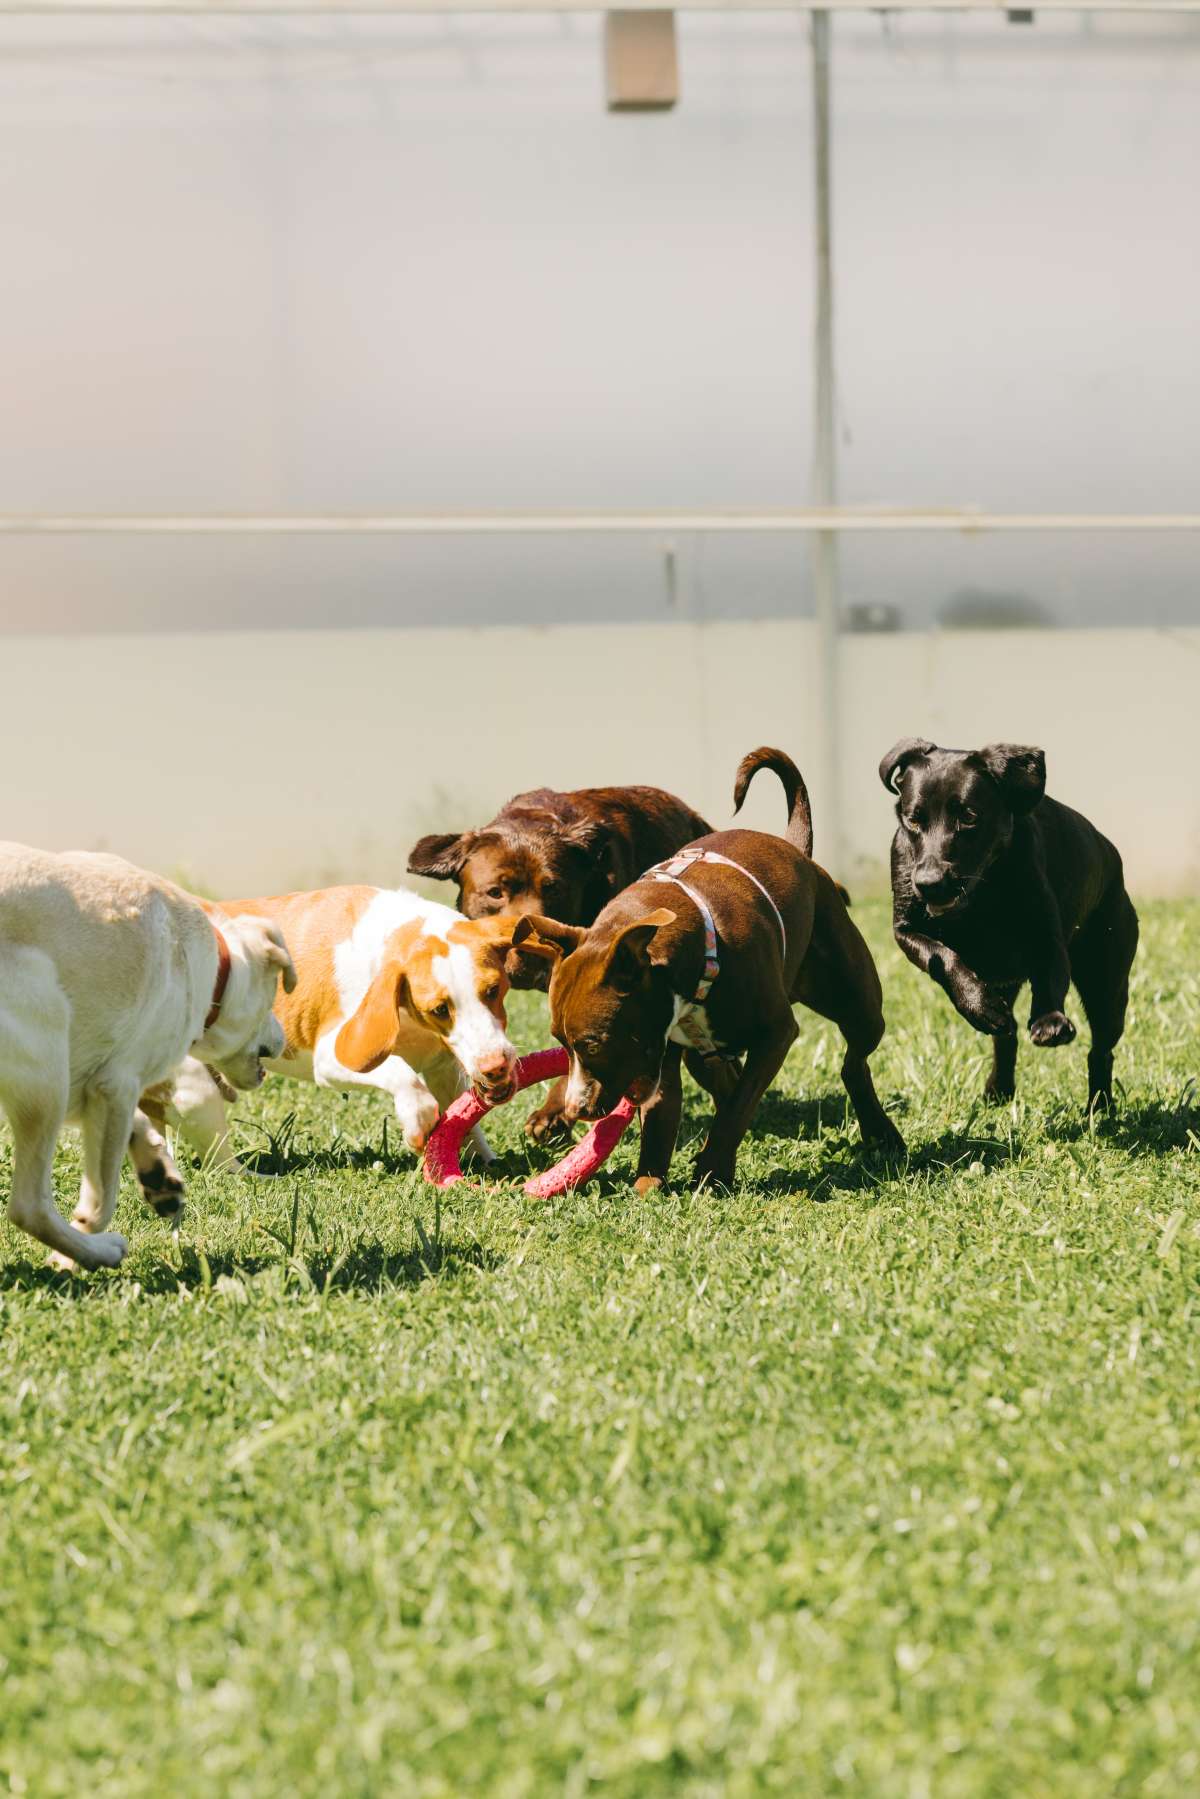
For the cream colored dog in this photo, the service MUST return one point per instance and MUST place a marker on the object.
(108, 977)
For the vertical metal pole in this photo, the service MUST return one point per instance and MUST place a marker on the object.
(830, 839)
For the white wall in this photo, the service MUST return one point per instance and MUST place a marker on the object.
(256, 761)
(278, 264)
(287, 264)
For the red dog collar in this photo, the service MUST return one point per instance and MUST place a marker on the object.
(223, 966)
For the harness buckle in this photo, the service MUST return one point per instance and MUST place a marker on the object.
(684, 859)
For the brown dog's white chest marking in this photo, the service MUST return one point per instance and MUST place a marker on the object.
(689, 1023)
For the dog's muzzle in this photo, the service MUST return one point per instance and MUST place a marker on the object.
(938, 894)
(495, 1090)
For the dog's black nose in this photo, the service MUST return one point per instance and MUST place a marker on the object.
(934, 889)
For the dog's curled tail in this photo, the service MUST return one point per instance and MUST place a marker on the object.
(799, 825)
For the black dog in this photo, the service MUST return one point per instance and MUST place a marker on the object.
(994, 885)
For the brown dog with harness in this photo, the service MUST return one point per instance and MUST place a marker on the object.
(707, 953)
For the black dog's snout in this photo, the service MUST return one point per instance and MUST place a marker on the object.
(935, 888)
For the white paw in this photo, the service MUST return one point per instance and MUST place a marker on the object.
(105, 1250)
(483, 1149)
(417, 1121)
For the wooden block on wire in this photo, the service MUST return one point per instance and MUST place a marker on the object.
(641, 61)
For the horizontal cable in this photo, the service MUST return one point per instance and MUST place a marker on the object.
(348, 8)
(475, 524)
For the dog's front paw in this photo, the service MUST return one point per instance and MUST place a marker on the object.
(105, 1250)
(885, 1140)
(712, 1170)
(985, 1011)
(647, 1183)
(162, 1187)
(547, 1125)
(1051, 1029)
(417, 1113)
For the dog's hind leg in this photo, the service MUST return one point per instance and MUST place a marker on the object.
(34, 1091)
(838, 979)
(31, 1206)
(717, 1161)
(1101, 958)
(108, 1116)
(36, 1124)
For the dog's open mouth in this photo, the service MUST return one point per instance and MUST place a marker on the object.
(496, 1093)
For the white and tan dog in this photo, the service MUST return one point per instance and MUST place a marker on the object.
(393, 991)
(108, 977)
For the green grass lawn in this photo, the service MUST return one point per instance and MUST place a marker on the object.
(850, 1482)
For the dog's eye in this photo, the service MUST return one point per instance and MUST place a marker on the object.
(967, 821)
(440, 1011)
(496, 893)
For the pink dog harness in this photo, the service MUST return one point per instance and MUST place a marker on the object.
(689, 1024)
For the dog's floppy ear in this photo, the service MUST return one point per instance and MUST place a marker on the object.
(591, 835)
(635, 949)
(441, 858)
(538, 946)
(280, 956)
(596, 839)
(909, 749)
(263, 937)
(1020, 771)
(494, 933)
(366, 1039)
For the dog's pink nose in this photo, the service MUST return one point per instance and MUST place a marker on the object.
(493, 1066)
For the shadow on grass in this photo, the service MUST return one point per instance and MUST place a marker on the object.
(950, 1148)
(369, 1267)
(343, 1158)
(781, 1115)
(1146, 1129)
(266, 1164)
(282, 1155)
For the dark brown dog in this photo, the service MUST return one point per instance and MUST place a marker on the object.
(995, 884)
(563, 855)
(709, 954)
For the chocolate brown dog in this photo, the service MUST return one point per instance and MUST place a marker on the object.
(563, 855)
(994, 884)
(560, 854)
(709, 952)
